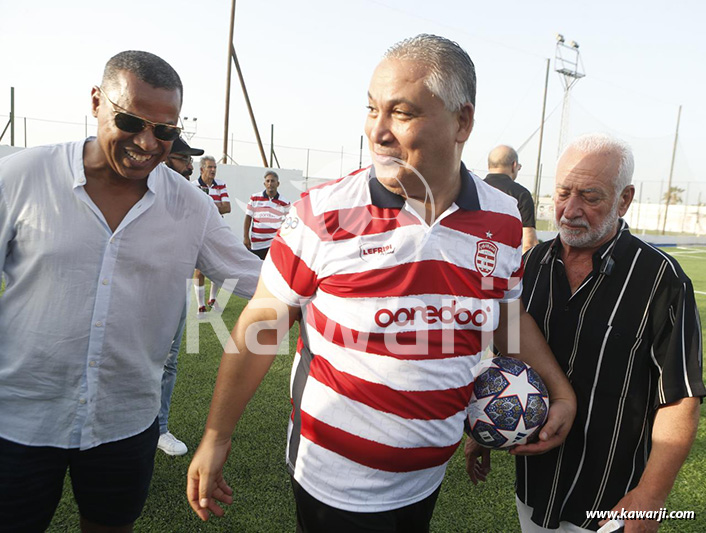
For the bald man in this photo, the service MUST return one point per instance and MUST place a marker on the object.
(503, 168)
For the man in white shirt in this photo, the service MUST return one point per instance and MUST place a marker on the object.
(97, 243)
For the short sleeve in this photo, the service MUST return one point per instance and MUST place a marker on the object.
(290, 269)
(526, 207)
(677, 346)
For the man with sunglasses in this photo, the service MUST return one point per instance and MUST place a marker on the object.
(97, 243)
(180, 159)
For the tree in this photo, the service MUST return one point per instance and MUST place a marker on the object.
(673, 195)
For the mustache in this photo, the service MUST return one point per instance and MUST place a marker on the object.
(574, 222)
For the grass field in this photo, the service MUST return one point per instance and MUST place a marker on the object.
(256, 470)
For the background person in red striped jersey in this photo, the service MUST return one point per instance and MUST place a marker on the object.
(264, 215)
(217, 191)
(384, 268)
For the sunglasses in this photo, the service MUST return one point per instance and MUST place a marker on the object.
(183, 158)
(130, 123)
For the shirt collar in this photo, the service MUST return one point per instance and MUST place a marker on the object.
(604, 256)
(381, 197)
(275, 197)
(202, 183)
(498, 176)
(79, 174)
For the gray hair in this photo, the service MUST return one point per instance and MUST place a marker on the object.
(600, 142)
(147, 67)
(271, 173)
(452, 75)
(204, 158)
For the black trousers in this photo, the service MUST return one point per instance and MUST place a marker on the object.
(314, 516)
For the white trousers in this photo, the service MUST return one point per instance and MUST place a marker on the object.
(524, 513)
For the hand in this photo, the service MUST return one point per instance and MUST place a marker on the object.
(204, 481)
(477, 469)
(246, 242)
(561, 416)
(638, 500)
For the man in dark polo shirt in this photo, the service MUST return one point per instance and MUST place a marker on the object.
(621, 319)
(503, 168)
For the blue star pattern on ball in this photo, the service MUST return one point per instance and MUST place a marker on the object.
(508, 405)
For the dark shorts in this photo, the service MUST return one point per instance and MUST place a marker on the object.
(261, 253)
(110, 482)
(314, 516)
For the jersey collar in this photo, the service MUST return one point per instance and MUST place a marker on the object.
(381, 197)
(275, 197)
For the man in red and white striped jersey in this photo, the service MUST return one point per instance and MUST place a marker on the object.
(264, 215)
(217, 191)
(399, 274)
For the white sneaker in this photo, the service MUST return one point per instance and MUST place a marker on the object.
(201, 313)
(170, 445)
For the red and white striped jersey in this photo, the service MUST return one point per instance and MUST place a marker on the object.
(267, 216)
(217, 191)
(395, 314)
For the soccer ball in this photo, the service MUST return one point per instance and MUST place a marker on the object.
(509, 403)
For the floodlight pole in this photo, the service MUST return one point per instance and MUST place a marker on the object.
(671, 172)
(541, 137)
(568, 64)
(247, 102)
(228, 76)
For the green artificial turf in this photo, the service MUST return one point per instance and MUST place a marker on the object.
(256, 468)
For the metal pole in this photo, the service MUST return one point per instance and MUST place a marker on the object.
(541, 138)
(247, 102)
(686, 206)
(12, 116)
(360, 158)
(698, 215)
(227, 110)
(639, 205)
(307, 163)
(85, 125)
(671, 172)
(272, 142)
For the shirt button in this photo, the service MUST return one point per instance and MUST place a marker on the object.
(105, 281)
(92, 363)
(82, 401)
(99, 324)
(111, 240)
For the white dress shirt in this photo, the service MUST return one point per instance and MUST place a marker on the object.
(88, 314)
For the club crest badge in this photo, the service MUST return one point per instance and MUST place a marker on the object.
(486, 255)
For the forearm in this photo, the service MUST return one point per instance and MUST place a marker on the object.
(518, 336)
(529, 238)
(248, 355)
(239, 375)
(246, 227)
(223, 207)
(673, 434)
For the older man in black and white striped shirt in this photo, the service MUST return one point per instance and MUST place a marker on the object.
(621, 319)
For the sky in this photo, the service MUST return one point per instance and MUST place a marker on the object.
(307, 66)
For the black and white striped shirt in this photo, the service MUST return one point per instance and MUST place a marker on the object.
(629, 340)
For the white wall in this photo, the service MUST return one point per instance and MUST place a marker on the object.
(243, 181)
